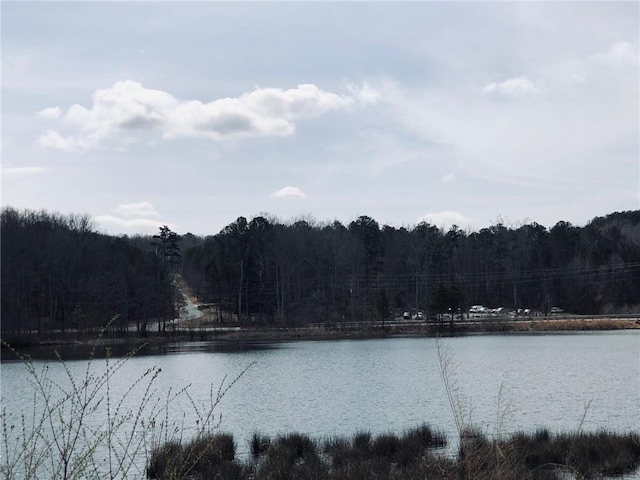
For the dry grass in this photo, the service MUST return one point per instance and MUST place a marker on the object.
(585, 324)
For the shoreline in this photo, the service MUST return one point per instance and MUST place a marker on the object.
(318, 332)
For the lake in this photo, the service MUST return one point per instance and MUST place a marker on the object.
(505, 383)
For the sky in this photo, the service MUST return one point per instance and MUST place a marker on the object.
(192, 114)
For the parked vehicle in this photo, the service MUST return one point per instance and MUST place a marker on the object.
(477, 309)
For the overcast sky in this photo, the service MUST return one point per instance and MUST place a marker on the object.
(193, 114)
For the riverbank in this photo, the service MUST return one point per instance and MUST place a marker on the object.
(199, 331)
(351, 331)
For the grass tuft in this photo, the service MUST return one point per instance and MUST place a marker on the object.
(209, 456)
(539, 455)
(259, 444)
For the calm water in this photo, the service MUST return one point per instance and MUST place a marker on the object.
(508, 382)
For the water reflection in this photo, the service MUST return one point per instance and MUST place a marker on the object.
(86, 351)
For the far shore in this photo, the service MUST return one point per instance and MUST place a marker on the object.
(336, 331)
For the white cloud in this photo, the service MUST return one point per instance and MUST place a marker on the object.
(445, 219)
(127, 105)
(304, 101)
(116, 225)
(364, 94)
(619, 54)
(132, 218)
(221, 119)
(289, 192)
(52, 139)
(513, 86)
(130, 107)
(620, 57)
(50, 113)
(137, 210)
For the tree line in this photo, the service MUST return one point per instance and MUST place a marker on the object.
(59, 274)
(265, 271)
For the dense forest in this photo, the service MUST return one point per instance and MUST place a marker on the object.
(289, 273)
(59, 273)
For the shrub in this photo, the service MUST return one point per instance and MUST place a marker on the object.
(210, 456)
(259, 444)
(602, 453)
(535, 456)
(362, 441)
(292, 456)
